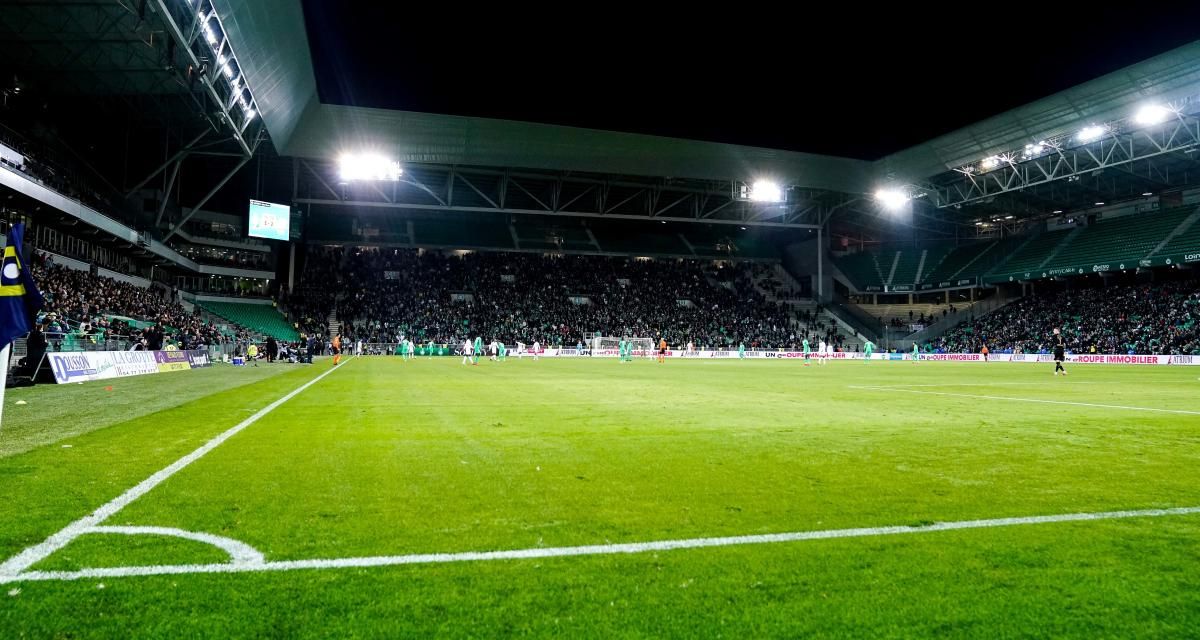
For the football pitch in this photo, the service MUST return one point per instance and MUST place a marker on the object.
(590, 498)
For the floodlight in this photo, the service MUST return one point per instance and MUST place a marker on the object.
(765, 191)
(1091, 132)
(891, 198)
(1152, 114)
(990, 162)
(368, 167)
(1148, 193)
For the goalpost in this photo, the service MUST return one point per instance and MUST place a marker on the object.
(642, 347)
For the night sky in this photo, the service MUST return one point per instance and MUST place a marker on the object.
(854, 82)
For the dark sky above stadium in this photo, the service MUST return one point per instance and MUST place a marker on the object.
(860, 82)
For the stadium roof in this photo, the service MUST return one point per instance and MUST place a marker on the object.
(1169, 77)
(140, 58)
(271, 39)
(278, 65)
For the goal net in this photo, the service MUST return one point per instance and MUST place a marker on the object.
(642, 347)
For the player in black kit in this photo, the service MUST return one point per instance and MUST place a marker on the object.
(1060, 352)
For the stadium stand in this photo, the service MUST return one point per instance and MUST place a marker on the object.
(952, 262)
(990, 258)
(1034, 252)
(379, 295)
(1187, 240)
(85, 311)
(862, 269)
(906, 263)
(258, 318)
(1137, 318)
(1126, 238)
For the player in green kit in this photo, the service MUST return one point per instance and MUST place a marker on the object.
(741, 351)
(868, 349)
(503, 351)
(621, 350)
(807, 351)
(429, 350)
(478, 350)
(916, 352)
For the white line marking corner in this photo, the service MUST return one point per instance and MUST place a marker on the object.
(32, 555)
(589, 550)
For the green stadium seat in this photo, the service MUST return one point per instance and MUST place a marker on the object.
(258, 318)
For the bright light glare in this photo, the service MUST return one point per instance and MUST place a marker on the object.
(368, 167)
(766, 191)
(1091, 132)
(1152, 114)
(1034, 150)
(891, 198)
(990, 162)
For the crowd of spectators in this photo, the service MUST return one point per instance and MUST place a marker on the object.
(83, 308)
(1151, 318)
(379, 295)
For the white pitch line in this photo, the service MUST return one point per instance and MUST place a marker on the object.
(590, 550)
(38, 552)
(976, 384)
(1037, 400)
(239, 552)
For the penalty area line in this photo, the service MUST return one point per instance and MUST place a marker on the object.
(1034, 400)
(39, 552)
(590, 550)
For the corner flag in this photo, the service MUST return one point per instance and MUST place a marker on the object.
(19, 297)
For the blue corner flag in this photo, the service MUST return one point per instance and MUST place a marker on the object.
(19, 297)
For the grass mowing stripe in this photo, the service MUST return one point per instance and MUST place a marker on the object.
(1037, 400)
(588, 550)
(36, 553)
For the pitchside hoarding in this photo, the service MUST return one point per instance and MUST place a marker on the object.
(1082, 358)
(84, 366)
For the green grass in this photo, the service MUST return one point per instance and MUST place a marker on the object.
(387, 458)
